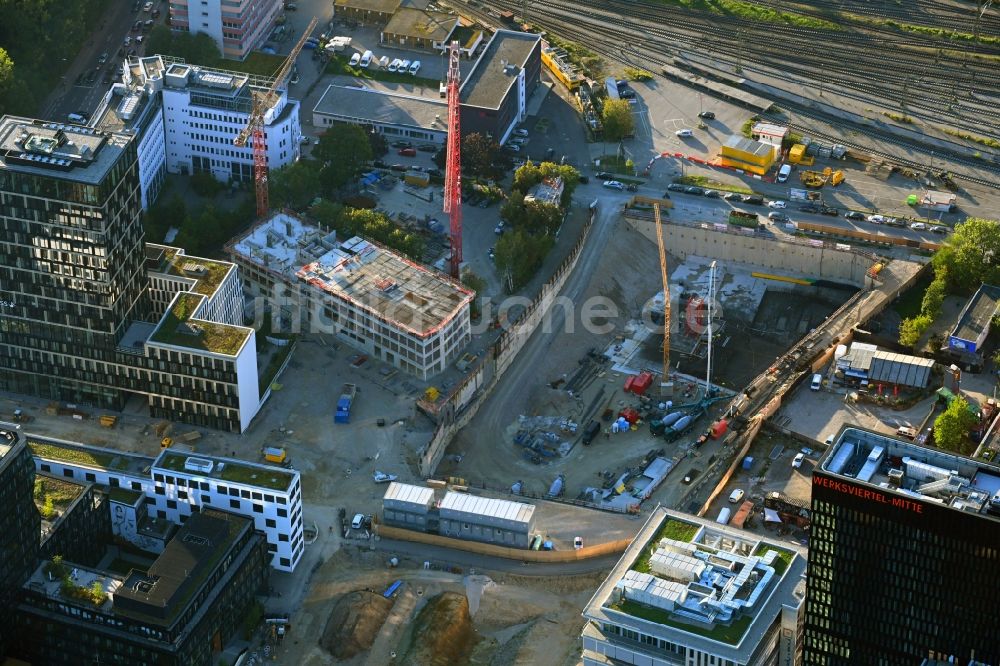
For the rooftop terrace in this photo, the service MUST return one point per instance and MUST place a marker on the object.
(226, 469)
(205, 275)
(182, 328)
(88, 456)
(909, 470)
(696, 583)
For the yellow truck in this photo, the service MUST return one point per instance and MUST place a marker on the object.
(275, 454)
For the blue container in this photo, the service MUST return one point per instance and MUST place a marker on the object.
(748, 462)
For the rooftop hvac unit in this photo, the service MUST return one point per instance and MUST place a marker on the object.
(202, 465)
(895, 478)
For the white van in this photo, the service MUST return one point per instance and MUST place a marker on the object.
(76, 118)
(383, 62)
(414, 68)
(366, 59)
(784, 172)
(817, 382)
(724, 515)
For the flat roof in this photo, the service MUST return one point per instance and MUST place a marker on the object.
(383, 108)
(457, 506)
(487, 84)
(62, 151)
(421, 24)
(181, 327)
(931, 475)
(10, 441)
(83, 455)
(745, 145)
(974, 322)
(901, 369)
(734, 585)
(405, 493)
(267, 477)
(395, 289)
(204, 275)
(380, 6)
(159, 595)
(82, 579)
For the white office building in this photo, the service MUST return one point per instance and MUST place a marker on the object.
(236, 26)
(393, 309)
(187, 117)
(692, 592)
(176, 484)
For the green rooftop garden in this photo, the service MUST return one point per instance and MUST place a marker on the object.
(678, 530)
(212, 337)
(209, 281)
(52, 495)
(78, 456)
(268, 477)
(783, 560)
(124, 495)
(731, 633)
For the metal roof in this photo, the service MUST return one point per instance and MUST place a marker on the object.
(486, 510)
(974, 322)
(404, 493)
(900, 369)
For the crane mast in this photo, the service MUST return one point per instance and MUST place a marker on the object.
(453, 168)
(254, 129)
(664, 380)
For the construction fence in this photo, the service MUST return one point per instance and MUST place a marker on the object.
(454, 411)
(492, 550)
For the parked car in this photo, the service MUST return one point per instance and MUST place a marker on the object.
(382, 477)
(427, 148)
(695, 190)
(712, 194)
(499, 229)
(690, 476)
(414, 68)
(577, 543)
(797, 460)
(632, 187)
(147, 7)
(809, 208)
(513, 147)
(732, 196)
(291, 6)
(604, 175)
(358, 521)
(402, 144)
(139, 38)
(895, 222)
(683, 133)
(156, 13)
(854, 215)
(777, 204)
(736, 496)
(408, 152)
(707, 115)
(521, 132)
(830, 210)
(939, 229)
(355, 59)
(103, 58)
(394, 65)
(404, 65)
(399, 167)
(816, 383)
(918, 226)
(676, 187)
(492, 253)
(876, 219)
(754, 200)
(777, 217)
(614, 185)
(907, 432)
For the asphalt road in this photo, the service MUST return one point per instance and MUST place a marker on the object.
(70, 96)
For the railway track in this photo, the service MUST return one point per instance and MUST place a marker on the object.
(609, 34)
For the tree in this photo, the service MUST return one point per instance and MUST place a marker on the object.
(477, 285)
(6, 69)
(618, 121)
(541, 217)
(205, 185)
(951, 428)
(934, 296)
(343, 149)
(162, 215)
(160, 40)
(479, 153)
(971, 255)
(911, 329)
(295, 185)
(519, 255)
(378, 143)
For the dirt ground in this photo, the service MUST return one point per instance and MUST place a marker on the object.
(512, 619)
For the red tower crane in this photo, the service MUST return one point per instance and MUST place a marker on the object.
(261, 102)
(453, 168)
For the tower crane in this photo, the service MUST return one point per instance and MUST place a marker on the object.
(260, 103)
(666, 298)
(453, 167)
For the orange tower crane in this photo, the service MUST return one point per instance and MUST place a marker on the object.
(453, 167)
(261, 102)
(666, 297)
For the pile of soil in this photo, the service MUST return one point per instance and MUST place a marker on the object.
(354, 623)
(442, 632)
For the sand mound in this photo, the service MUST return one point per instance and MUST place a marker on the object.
(443, 634)
(354, 623)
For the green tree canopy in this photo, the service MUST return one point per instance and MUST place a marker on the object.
(618, 121)
(951, 428)
(343, 149)
(519, 255)
(479, 153)
(971, 255)
(294, 185)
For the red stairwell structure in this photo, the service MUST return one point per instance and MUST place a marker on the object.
(453, 167)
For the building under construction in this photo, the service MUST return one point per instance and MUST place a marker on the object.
(376, 300)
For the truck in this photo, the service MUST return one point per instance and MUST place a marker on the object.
(344, 402)
(591, 431)
(742, 218)
(275, 454)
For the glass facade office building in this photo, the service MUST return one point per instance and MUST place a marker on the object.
(904, 556)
